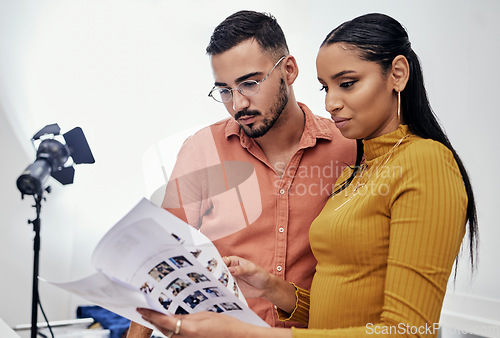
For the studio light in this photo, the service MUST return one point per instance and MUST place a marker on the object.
(51, 157)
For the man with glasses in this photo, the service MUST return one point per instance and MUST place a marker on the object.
(253, 183)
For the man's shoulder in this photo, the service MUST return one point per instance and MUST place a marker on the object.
(222, 125)
(327, 126)
(326, 120)
(321, 126)
(218, 128)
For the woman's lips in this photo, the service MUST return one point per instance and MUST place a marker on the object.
(341, 122)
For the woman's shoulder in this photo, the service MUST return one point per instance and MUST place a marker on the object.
(421, 148)
(427, 156)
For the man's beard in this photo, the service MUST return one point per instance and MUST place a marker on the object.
(265, 125)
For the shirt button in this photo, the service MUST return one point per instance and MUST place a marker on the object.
(281, 230)
(279, 268)
(282, 191)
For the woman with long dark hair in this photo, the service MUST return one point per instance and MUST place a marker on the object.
(387, 239)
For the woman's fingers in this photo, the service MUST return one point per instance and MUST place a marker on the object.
(234, 260)
(227, 261)
(166, 324)
(234, 264)
(197, 325)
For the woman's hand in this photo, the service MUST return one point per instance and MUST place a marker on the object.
(253, 280)
(208, 324)
(202, 324)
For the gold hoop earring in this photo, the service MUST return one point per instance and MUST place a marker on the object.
(399, 107)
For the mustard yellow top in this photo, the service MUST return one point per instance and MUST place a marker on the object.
(386, 245)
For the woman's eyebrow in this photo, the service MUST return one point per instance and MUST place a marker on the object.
(341, 73)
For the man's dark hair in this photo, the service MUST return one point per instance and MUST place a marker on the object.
(244, 25)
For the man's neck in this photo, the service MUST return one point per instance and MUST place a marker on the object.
(282, 140)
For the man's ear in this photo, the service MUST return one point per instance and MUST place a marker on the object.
(400, 73)
(291, 69)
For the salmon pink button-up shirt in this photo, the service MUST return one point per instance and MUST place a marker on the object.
(224, 185)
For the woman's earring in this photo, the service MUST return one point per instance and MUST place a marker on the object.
(399, 107)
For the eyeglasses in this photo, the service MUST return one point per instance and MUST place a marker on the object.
(246, 88)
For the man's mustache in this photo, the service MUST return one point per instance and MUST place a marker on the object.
(246, 112)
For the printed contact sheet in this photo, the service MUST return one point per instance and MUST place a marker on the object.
(152, 259)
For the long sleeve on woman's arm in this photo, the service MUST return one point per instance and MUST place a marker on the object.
(301, 312)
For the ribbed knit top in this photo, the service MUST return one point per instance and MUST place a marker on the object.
(386, 249)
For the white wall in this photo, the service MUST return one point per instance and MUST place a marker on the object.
(131, 72)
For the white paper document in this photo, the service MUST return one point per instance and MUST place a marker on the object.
(152, 259)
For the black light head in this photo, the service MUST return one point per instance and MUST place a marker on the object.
(51, 156)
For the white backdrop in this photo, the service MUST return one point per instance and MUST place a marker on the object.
(132, 72)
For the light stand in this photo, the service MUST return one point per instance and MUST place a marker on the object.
(51, 159)
(36, 263)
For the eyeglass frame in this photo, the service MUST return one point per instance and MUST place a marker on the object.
(246, 81)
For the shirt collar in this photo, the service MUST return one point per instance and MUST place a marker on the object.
(314, 128)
